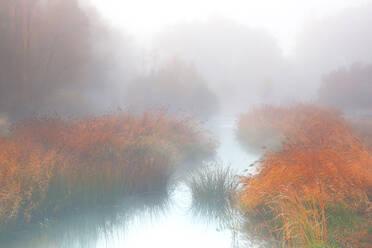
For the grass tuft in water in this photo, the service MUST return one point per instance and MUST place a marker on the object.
(214, 191)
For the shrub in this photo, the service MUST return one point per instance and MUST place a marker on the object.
(321, 165)
(177, 86)
(51, 166)
(349, 89)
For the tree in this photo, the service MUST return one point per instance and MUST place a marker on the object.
(348, 88)
(45, 47)
(177, 86)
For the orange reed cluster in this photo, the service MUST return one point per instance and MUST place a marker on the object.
(320, 163)
(50, 165)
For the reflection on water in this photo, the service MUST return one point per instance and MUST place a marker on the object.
(176, 227)
(151, 220)
(86, 230)
(230, 152)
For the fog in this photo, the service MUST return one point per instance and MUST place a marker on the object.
(70, 57)
(243, 65)
(115, 105)
(329, 43)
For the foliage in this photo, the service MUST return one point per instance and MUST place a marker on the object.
(54, 55)
(314, 186)
(49, 166)
(348, 88)
(177, 86)
(40, 54)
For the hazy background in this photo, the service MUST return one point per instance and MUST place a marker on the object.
(192, 57)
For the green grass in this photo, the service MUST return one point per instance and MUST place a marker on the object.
(213, 189)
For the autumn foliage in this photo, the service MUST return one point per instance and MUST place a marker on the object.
(49, 165)
(315, 191)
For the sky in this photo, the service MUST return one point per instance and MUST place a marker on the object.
(283, 19)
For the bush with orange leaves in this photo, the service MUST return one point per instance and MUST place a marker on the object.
(315, 191)
(49, 166)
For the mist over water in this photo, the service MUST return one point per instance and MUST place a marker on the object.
(94, 66)
(205, 61)
(159, 220)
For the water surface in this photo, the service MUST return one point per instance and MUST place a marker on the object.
(168, 224)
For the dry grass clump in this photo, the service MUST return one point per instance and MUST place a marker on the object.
(25, 173)
(49, 166)
(316, 190)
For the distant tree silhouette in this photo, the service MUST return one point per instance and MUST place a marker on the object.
(348, 88)
(177, 87)
(49, 52)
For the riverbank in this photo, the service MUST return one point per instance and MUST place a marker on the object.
(314, 185)
(52, 167)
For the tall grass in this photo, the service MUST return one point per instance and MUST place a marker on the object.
(214, 191)
(311, 191)
(50, 166)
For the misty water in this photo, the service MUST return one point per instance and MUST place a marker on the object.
(163, 225)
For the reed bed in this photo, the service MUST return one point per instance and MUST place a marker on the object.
(315, 191)
(50, 166)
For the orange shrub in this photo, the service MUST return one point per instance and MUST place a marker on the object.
(321, 162)
(25, 172)
(49, 165)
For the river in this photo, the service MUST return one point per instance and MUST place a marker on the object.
(172, 226)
